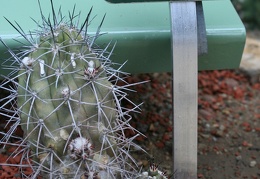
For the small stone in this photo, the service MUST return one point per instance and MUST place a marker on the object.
(239, 157)
(226, 150)
(209, 98)
(159, 144)
(231, 82)
(222, 127)
(205, 114)
(217, 133)
(2, 150)
(152, 128)
(252, 163)
(246, 144)
(205, 136)
(200, 153)
(207, 126)
(200, 175)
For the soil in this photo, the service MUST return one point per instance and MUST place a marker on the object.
(228, 124)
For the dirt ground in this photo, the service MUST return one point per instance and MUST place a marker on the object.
(228, 122)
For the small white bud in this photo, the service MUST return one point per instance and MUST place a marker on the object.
(72, 60)
(145, 174)
(56, 34)
(27, 61)
(91, 67)
(91, 63)
(64, 134)
(65, 92)
(42, 70)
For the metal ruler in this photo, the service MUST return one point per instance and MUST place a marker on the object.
(188, 41)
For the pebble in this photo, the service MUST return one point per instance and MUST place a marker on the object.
(206, 136)
(222, 127)
(231, 82)
(214, 139)
(252, 163)
(2, 150)
(205, 114)
(240, 148)
(207, 127)
(239, 157)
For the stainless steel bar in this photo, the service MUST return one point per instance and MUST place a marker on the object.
(185, 88)
(202, 34)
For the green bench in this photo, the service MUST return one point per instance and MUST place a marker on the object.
(142, 28)
(154, 38)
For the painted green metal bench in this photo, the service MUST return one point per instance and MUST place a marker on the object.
(142, 31)
(147, 33)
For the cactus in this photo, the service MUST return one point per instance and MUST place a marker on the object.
(68, 104)
(153, 172)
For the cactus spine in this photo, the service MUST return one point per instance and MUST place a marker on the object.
(68, 108)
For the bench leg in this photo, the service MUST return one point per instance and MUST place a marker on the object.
(185, 88)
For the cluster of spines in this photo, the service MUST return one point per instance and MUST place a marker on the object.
(154, 172)
(120, 162)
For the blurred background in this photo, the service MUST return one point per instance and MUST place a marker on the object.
(249, 12)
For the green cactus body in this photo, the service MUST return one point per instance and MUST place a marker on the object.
(66, 94)
(68, 108)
